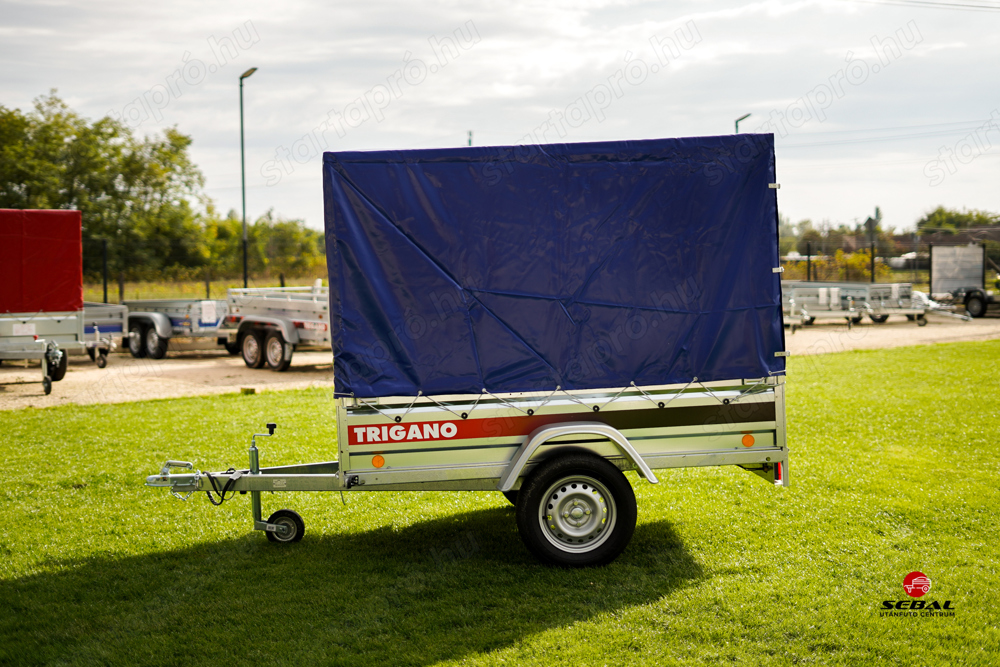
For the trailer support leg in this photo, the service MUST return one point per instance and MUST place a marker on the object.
(258, 518)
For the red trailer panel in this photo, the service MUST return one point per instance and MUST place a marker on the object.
(41, 261)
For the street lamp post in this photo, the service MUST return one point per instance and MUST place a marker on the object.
(743, 117)
(243, 176)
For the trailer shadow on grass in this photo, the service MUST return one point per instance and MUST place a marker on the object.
(436, 590)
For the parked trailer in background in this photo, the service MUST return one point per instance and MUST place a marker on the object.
(42, 313)
(267, 324)
(807, 302)
(538, 326)
(152, 323)
(958, 278)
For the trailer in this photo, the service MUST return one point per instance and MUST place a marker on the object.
(806, 302)
(958, 278)
(152, 323)
(536, 323)
(42, 312)
(267, 324)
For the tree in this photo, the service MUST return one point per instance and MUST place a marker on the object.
(139, 194)
(943, 218)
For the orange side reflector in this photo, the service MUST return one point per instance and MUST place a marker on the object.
(378, 461)
(748, 440)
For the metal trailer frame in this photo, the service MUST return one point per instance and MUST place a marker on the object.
(153, 322)
(805, 302)
(49, 336)
(267, 324)
(512, 442)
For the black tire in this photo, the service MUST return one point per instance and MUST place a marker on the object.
(102, 360)
(292, 520)
(232, 348)
(879, 319)
(252, 349)
(557, 511)
(857, 320)
(58, 371)
(911, 317)
(510, 496)
(277, 352)
(921, 321)
(137, 340)
(811, 320)
(46, 385)
(92, 353)
(156, 347)
(975, 305)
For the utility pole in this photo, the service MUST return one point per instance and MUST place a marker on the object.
(243, 177)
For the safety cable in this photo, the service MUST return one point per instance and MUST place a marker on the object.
(233, 476)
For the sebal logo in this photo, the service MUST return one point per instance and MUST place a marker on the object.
(916, 584)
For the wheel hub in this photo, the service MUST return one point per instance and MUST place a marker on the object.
(578, 514)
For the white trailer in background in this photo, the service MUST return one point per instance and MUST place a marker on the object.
(806, 302)
(152, 323)
(267, 324)
(958, 278)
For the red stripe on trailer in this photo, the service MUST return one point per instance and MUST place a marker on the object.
(522, 425)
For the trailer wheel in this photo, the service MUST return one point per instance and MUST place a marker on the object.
(46, 385)
(291, 520)
(577, 510)
(879, 319)
(156, 347)
(857, 320)
(137, 340)
(58, 371)
(911, 317)
(232, 348)
(511, 496)
(811, 320)
(277, 352)
(921, 321)
(252, 346)
(102, 360)
(976, 306)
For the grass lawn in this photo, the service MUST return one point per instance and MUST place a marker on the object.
(894, 468)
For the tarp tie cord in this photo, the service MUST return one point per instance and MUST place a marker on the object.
(503, 400)
(431, 398)
(658, 403)
(374, 406)
(409, 407)
(751, 390)
(548, 398)
(724, 401)
(613, 398)
(575, 399)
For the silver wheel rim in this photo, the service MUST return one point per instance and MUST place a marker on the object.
(275, 351)
(292, 529)
(251, 350)
(578, 514)
(135, 343)
(152, 340)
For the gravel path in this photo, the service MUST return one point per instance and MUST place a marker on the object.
(200, 373)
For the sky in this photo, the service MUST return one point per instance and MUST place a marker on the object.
(888, 103)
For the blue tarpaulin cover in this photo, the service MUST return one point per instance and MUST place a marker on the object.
(524, 268)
